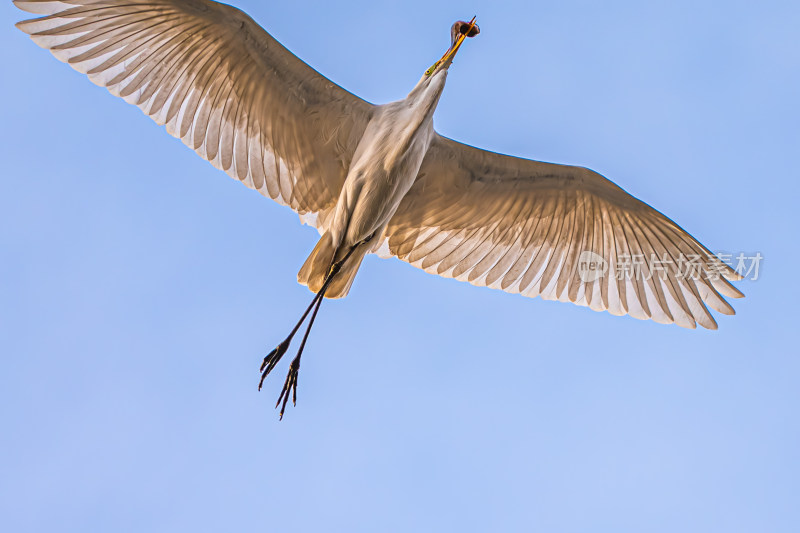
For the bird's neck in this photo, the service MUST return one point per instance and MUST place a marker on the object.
(424, 98)
(403, 126)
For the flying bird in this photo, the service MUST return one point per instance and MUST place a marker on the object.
(378, 178)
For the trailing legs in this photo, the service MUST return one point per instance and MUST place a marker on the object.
(272, 359)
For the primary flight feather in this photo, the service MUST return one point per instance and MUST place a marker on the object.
(379, 178)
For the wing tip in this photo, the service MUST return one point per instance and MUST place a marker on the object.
(37, 7)
(710, 324)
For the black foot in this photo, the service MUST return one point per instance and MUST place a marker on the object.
(290, 384)
(272, 359)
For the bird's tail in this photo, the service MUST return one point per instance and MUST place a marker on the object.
(318, 264)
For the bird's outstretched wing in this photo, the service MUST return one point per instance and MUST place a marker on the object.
(529, 227)
(220, 83)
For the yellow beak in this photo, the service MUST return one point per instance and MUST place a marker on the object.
(451, 52)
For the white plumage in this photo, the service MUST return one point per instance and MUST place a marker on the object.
(379, 178)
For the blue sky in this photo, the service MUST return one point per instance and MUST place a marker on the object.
(140, 288)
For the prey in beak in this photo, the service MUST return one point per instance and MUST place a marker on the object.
(458, 33)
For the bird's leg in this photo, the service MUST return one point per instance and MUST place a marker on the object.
(275, 355)
(294, 367)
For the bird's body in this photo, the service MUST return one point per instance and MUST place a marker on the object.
(385, 166)
(379, 178)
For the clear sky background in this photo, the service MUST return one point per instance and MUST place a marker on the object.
(140, 289)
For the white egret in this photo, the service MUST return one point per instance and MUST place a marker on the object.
(378, 178)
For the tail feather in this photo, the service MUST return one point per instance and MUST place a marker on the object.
(319, 262)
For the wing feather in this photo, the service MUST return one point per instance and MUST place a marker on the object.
(523, 226)
(218, 82)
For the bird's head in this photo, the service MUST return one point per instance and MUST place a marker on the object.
(458, 33)
(428, 89)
